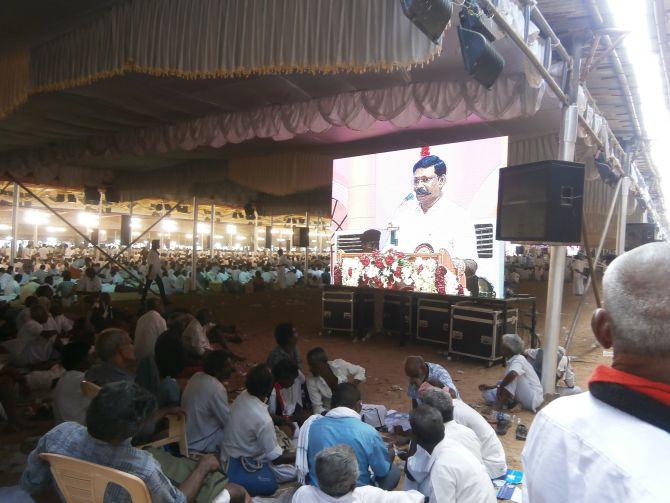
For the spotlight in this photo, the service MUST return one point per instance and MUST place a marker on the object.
(429, 16)
(481, 60)
(71, 198)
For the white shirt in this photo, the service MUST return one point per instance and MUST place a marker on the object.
(250, 431)
(365, 494)
(86, 284)
(320, 393)
(150, 325)
(205, 401)
(457, 477)
(69, 402)
(582, 450)
(526, 387)
(292, 397)
(454, 432)
(445, 225)
(493, 454)
(153, 261)
(194, 338)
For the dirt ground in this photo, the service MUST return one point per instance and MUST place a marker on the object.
(382, 356)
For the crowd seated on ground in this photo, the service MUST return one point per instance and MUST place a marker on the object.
(74, 273)
(311, 426)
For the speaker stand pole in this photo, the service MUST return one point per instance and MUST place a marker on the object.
(623, 214)
(557, 254)
(211, 232)
(15, 225)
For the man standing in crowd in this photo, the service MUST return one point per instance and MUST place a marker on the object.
(612, 442)
(154, 272)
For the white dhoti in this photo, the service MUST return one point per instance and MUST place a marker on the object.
(577, 283)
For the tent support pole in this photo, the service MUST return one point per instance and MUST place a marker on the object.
(15, 224)
(306, 248)
(603, 236)
(194, 246)
(211, 234)
(623, 217)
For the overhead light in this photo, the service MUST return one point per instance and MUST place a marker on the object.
(5, 227)
(481, 60)
(231, 229)
(203, 228)
(240, 238)
(36, 217)
(249, 211)
(88, 219)
(55, 230)
(71, 198)
(218, 236)
(429, 16)
(169, 225)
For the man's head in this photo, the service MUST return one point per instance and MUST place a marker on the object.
(115, 346)
(440, 400)
(155, 244)
(316, 359)
(430, 175)
(218, 364)
(39, 313)
(205, 316)
(155, 304)
(337, 470)
(169, 354)
(259, 381)
(285, 373)
(427, 426)
(286, 336)
(635, 320)
(118, 412)
(74, 356)
(511, 345)
(416, 370)
(90, 273)
(347, 395)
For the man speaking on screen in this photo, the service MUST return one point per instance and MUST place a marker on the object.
(427, 220)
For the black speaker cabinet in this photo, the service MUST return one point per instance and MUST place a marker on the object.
(91, 195)
(399, 310)
(347, 311)
(301, 237)
(541, 202)
(125, 230)
(95, 236)
(638, 234)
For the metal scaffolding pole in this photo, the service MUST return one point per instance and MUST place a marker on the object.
(194, 246)
(211, 234)
(557, 254)
(623, 217)
(97, 252)
(601, 243)
(306, 247)
(15, 224)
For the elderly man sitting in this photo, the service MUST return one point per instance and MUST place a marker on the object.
(115, 348)
(115, 415)
(455, 475)
(520, 383)
(337, 473)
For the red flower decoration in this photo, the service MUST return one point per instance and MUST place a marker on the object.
(389, 260)
(350, 272)
(365, 260)
(425, 151)
(338, 275)
(379, 264)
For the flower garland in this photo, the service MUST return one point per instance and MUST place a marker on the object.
(396, 271)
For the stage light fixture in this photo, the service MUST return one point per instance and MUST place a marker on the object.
(429, 16)
(481, 60)
(71, 198)
(249, 211)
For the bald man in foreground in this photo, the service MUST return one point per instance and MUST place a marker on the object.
(612, 443)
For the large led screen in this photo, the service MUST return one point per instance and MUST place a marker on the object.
(420, 219)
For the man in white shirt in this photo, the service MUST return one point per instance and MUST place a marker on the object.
(69, 403)
(205, 401)
(337, 472)
(194, 337)
(282, 264)
(326, 375)
(578, 266)
(612, 442)
(154, 271)
(455, 475)
(520, 383)
(249, 440)
(149, 326)
(428, 216)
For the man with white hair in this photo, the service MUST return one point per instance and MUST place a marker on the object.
(337, 474)
(612, 442)
(520, 383)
